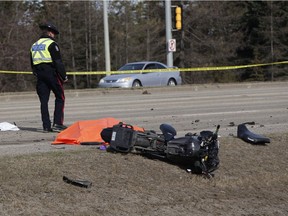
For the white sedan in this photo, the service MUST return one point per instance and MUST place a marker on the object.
(142, 79)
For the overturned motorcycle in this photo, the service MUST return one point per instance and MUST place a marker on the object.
(196, 153)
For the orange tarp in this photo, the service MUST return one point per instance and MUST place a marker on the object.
(86, 132)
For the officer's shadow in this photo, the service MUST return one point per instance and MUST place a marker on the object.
(30, 129)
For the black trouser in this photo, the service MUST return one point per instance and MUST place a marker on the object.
(47, 81)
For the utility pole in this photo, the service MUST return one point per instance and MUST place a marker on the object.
(272, 40)
(168, 32)
(106, 36)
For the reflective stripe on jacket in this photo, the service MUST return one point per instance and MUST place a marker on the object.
(39, 51)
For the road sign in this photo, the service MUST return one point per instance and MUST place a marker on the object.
(172, 45)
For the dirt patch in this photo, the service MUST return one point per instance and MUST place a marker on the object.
(252, 180)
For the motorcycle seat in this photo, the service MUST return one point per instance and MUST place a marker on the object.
(250, 137)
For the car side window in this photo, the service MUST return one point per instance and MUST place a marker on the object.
(150, 67)
(159, 66)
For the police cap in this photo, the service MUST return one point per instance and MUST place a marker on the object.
(49, 26)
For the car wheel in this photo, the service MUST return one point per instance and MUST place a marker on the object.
(171, 82)
(136, 84)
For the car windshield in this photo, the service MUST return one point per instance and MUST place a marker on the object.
(132, 67)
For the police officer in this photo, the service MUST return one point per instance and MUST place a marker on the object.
(47, 66)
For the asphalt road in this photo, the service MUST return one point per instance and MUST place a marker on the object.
(188, 108)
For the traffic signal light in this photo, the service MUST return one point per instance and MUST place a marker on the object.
(178, 18)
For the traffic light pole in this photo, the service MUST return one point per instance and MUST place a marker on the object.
(106, 37)
(168, 32)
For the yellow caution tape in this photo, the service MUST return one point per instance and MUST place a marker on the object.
(220, 68)
(15, 72)
(231, 67)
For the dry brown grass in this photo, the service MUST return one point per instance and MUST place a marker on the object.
(252, 180)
